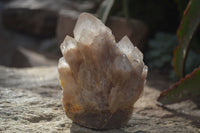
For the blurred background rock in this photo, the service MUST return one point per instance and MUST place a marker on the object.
(31, 32)
(28, 30)
(39, 27)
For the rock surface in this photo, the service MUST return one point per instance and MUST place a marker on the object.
(20, 50)
(135, 29)
(39, 17)
(30, 101)
(8, 46)
(23, 57)
(25, 51)
(66, 23)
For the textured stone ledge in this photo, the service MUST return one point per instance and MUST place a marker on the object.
(30, 101)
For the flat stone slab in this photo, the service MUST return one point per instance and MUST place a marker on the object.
(30, 101)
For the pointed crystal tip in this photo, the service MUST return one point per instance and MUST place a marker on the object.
(87, 27)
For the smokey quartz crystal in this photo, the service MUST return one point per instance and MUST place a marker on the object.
(101, 79)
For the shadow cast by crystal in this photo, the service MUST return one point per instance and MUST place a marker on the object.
(75, 128)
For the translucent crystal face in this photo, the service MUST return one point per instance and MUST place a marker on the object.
(87, 28)
(99, 75)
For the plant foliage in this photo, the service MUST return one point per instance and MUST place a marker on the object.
(189, 24)
(104, 10)
(186, 88)
(189, 86)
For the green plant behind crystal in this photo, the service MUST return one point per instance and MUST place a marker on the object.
(188, 86)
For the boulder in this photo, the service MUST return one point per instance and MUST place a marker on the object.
(30, 101)
(5, 1)
(23, 57)
(38, 17)
(9, 43)
(18, 50)
(135, 29)
(66, 23)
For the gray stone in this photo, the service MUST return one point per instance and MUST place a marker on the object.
(23, 57)
(5, 1)
(135, 29)
(30, 101)
(38, 17)
(66, 23)
(9, 43)
(19, 50)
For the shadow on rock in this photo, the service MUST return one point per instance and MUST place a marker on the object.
(80, 129)
(195, 120)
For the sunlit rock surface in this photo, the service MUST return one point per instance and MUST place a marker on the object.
(101, 79)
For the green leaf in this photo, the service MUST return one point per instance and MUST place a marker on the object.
(186, 88)
(104, 10)
(126, 9)
(189, 23)
(181, 4)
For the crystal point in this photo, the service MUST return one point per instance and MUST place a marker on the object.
(69, 43)
(87, 27)
(101, 79)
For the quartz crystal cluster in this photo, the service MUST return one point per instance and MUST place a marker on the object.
(101, 79)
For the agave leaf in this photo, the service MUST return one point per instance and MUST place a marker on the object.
(104, 10)
(186, 88)
(181, 4)
(189, 23)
